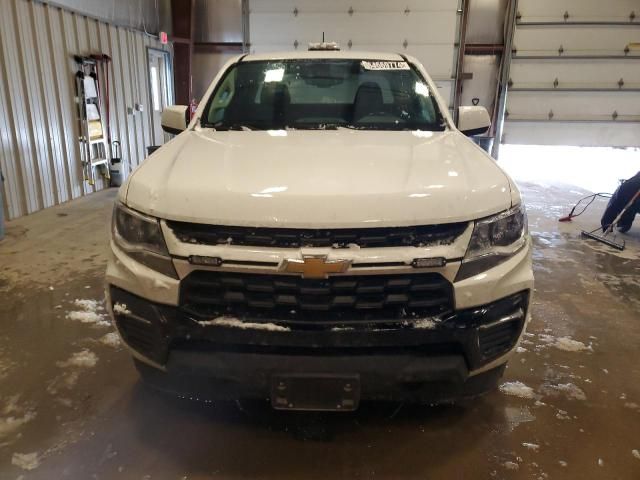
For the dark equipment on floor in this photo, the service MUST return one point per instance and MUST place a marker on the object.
(623, 206)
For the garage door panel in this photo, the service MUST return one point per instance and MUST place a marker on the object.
(577, 73)
(437, 59)
(586, 134)
(579, 105)
(424, 29)
(575, 40)
(364, 28)
(587, 89)
(338, 6)
(553, 10)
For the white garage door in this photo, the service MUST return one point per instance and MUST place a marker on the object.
(575, 74)
(425, 29)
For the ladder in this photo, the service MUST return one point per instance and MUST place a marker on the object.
(94, 145)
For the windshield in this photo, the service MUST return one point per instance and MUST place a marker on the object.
(322, 94)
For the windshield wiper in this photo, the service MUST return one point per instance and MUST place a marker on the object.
(220, 126)
(323, 126)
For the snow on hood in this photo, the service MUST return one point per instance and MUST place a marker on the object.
(331, 178)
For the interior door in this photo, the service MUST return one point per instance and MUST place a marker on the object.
(160, 90)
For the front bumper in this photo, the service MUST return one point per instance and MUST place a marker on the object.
(432, 363)
(461, 356)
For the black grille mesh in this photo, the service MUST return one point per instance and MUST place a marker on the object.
(337, 238)
(336, 300)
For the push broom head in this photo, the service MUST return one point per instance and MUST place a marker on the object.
(604, 239)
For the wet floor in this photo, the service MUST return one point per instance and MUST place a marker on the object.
(71, 405)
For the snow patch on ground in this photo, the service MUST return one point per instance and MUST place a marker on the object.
(517, 389)
(520, 350)
(67, 381)
(88, 305)
(10, 424)
(571, 391)
(111, 339)
(342, 329)
(531, 446)
(636, 454)
(562, 463)
(82, 359)
(236, 323)
(511, 465)
(26, 461)
(569, 345)
(89, 312)
(543, 337)
(13, 416)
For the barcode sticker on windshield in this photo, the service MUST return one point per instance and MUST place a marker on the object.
(386, 65)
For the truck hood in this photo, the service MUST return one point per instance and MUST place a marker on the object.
(316, 179)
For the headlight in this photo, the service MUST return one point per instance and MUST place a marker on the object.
(494, 240)
(140, 237)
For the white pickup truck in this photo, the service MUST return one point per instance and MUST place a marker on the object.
(319, 233)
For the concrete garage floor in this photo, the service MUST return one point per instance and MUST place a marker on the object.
(71, 405)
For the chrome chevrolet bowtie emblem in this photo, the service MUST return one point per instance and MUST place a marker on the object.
(315, 266)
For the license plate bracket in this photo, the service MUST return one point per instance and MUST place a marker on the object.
(318, 392)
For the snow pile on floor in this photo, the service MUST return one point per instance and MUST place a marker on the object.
(111, 339)
(546, 338)
(10, 424)
(82, 359)
(88, 312)
(569, 345)
(235, 323)
(13, 416)
(88, 305)
(571, 391)
(516, 389)
(26, 461)
(67, 381)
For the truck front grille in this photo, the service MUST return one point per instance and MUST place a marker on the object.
(419, 236)
(339, 300)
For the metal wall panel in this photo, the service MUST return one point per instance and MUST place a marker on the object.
(574, 80)
(425, 29)
(39, 151)
(139, 14)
